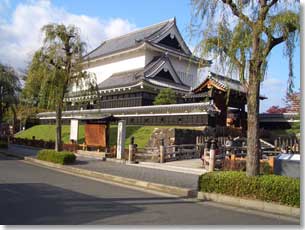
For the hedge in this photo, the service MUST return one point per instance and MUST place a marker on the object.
(63, 157)
(3, 144)
(270, 188)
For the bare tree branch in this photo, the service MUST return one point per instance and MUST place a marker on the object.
(272, 42)
(238, 13)
(272, 3)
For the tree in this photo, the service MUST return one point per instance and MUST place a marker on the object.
(9, 90)
(58, 67)
(242, 33)
(165, 97)
(34, 94)
(293, 100)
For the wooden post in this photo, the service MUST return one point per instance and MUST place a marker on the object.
(180, 156)
(107, 149)
(162, 151)
(131, 150)
(271, 163)
(212, 156)
(276, 144)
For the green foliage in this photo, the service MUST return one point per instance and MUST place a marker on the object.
(165, 97)
(50, 155)
(271, 188)
(232, 40)
(31, 93)
(56, 67)
(9, 89)
(3, 144)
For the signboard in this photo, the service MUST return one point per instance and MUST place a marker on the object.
(95, 135)
(121, 139)
(74, 130)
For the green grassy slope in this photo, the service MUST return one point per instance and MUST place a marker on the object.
(47, 133)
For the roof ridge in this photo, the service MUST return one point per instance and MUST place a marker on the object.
(151, 36)
(224, 77)
(140, 29)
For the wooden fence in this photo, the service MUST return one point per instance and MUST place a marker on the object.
(181, 152)
(147, 154)
(171, 153)
(287, 144)
(221, 140)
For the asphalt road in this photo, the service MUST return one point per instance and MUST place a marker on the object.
(35, 195)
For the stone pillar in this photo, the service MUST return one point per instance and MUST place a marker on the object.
(205, 152)
(74, 130)
(162, 151)
(121, 139)
(131, 150)
(212, 156)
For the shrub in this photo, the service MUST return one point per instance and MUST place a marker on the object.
(271, 188)
(63, 157)
(165, 97)
(3, 144)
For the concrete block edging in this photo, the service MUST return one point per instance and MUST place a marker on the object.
(251, 204)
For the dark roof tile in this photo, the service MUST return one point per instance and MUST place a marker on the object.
(126, 41)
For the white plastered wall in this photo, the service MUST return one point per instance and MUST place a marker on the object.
(186, 70)
(103, 69)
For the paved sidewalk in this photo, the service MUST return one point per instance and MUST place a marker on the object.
(190, 166)
(154, 175)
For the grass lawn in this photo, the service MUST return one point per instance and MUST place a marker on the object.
(47, 132)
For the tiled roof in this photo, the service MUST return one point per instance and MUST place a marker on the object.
(127, 41)
(227, 83)
(122, 79)
(129, 78)
(153, 109)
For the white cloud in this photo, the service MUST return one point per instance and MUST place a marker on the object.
(21, 36)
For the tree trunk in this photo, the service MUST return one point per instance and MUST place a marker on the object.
(58, 142)
(253, 144)
(1, 107)
(14, 120)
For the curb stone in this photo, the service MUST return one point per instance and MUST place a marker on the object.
(251, 204)
(172, 190)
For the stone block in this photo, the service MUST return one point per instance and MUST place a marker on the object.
(276, 208)
(235, 201)
(253, 204)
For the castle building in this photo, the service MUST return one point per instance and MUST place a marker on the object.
(130, 70)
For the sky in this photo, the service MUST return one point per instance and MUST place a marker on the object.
(20, 34)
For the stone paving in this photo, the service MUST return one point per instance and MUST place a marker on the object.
(119, 169)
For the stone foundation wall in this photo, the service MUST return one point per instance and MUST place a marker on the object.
(173, 136)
